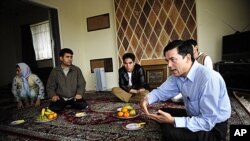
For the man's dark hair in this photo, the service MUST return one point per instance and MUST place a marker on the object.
(183, 48)
(192, 42)
(65, 50)
(128, 55)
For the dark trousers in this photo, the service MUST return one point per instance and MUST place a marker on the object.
(60, 104)
(171, 133)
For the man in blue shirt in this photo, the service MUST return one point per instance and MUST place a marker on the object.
(207, 105)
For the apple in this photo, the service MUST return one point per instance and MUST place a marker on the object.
(132, 112)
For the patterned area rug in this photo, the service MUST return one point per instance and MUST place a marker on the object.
(100, 123)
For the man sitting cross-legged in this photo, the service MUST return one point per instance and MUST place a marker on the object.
(66, 84)
(131, 81)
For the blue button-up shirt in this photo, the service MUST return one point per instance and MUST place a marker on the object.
(204, 94)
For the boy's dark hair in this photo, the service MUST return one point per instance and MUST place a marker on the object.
(192, 42)
(65, 50)
(183, 48)
(128, 55)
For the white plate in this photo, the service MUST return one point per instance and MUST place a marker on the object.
(119, 109)
(80, 114)
(133, 126)
(17, 122)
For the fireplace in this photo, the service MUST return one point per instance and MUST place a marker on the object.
(156, 72)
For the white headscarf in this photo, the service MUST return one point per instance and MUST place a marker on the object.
(25, 73)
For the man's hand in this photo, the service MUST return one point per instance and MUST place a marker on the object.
(144, 104)
(141, 90)
(55, 98)
(78, 96)
(133, 91)
(38, 102)
(162, 117)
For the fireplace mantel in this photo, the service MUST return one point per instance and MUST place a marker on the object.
(153, 62)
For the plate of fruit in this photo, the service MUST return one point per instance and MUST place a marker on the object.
(126, 112)
(46, 115)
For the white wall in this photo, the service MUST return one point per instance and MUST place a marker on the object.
(100, 43)
(216, 18)
(87, 45)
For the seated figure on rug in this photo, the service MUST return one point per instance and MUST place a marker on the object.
(205, 96)
(66, 84)
(201, 58)
(132, 84)
(27, 87)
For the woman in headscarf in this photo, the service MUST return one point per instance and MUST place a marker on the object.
(27, 87)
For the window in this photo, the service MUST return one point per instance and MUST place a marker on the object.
(41, 40)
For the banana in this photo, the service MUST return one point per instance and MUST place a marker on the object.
(43, 111)
(48, 110)
(129, 107)
(41, 118)
(47, 113)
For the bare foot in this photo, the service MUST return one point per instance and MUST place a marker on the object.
(32, 103)
(27, 104)
(19, 105)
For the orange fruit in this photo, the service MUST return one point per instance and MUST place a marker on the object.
(55, 115)
(120, 114)
(124, 109)
(126, 114)
(50, 116)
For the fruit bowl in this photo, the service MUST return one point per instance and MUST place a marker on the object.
(41, 120)
(126, 112)
(130, 117)
(46, 115)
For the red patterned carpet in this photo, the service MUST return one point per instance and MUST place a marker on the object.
(99, 124)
